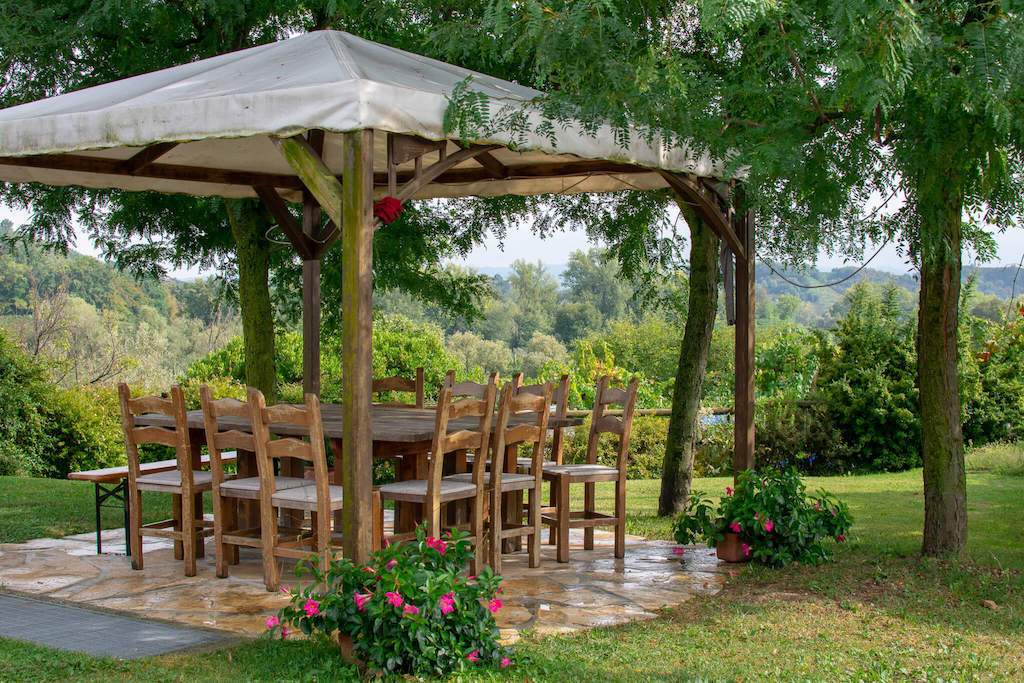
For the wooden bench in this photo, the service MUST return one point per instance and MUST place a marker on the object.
(103, 478)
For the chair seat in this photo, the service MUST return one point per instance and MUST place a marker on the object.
(527, 463)
(509, 481)
(249, 487)
(582, 472)
(170, 481)
(415, 490)
(304, 498)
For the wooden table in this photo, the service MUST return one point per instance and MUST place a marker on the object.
(396, 432)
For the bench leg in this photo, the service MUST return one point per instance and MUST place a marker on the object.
(99, 524)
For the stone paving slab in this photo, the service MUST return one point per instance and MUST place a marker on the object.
(96, 633)
(593, 589)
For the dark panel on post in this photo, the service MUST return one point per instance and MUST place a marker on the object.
(743, 458)
(357, 300)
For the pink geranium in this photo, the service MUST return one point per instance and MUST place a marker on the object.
(448, 603)
(361, 599)
(735, 526)
(437, 544)
(840, 538)
(495, 605)
(768, 526)
(474, 656)
(272, 622)
(391, 564)
(746, 549)
(411, 609)
(284, 633)
(311, 608)
(394, 598)
(678, 550)
(505, 661)
(728, 490)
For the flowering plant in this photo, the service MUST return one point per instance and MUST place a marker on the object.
(777, 521)
(409, 610)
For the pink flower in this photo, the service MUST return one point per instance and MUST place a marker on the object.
(757, 515)
(735, 526)
(728, 490)
(505, 661)
(678, 550)
(361, 599)
(411, 609)
(284, 589)
(387, 542)
(284, 633)
(368, 569)
(391, 564)
(474, 656)
(817, 505)
(393, 598)
(833, 512)
(272, 622)
(447, 603)
(495, 605)
(840, 538)
(746, 549)
(768, 526)
(312, 608)
(471, 578)
(437, 544)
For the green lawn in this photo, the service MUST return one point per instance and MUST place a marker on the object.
(878, 612)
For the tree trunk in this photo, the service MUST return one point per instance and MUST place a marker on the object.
(940, 208)
(677, 472)
(249, 225)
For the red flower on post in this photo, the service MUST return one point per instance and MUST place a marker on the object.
(387, 209)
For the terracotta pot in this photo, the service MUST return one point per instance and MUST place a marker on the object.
(346, 646)
(731, 549)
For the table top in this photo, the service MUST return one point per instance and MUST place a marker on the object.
(390, 424)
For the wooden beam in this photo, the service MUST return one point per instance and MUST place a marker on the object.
(707, 206)
(743, 454)
(427, 175)
(326, 239)
(728, 284)
(285, 220)
(356, 223)
(311, 283)
(314, 174)
(147, 156)
(494, 167)
(217, 176)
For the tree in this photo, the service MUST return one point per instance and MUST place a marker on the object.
(576, 319)
(823, 104)
(534, 291)
(592, 277)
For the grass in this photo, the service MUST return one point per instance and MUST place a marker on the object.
(879, 612)
(1001, 458)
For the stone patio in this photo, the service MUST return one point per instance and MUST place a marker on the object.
(594, 589)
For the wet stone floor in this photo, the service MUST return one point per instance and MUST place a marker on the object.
(593, 589)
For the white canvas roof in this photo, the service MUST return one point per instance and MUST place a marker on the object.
(222, 111)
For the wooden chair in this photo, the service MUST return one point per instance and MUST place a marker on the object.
(319, 498)
(560, 517)
(229, 492)
(186, 484)
(401, 384)
(437, 490)
(532, 412)
(559, 408)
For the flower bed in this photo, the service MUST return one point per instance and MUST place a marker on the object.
(409, 610)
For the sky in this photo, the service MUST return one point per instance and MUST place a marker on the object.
(521, 243)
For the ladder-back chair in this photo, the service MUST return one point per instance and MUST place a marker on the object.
(186, 484)
(401, 385)
(560, 517)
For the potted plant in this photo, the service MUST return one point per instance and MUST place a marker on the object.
(768, 518)
(409, 610)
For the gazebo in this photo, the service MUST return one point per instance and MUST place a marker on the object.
(335, 122)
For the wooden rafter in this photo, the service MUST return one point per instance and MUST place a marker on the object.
(707, 205)
(277, 207)
(147, 156)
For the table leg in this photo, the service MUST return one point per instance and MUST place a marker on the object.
(248, 510)
(197, 439)
(336, 449)
(512, 503)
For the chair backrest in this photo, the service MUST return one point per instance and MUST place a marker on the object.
(303, 419)
(472, 389)
(477, 439)
(559, 407)
(176, 437)
(404, 385)
(530, 411)
(218, 439)
(600, 423)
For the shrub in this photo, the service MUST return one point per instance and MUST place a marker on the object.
(801, 435)
(868, 381)
(85, 425)
(408, 611)
(713, 452)
(777, 521)
(646, 447)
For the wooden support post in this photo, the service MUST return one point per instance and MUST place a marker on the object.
(357, 300)
(743, 457)
(311, 286)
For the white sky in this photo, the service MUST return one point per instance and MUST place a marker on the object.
(521, 243)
